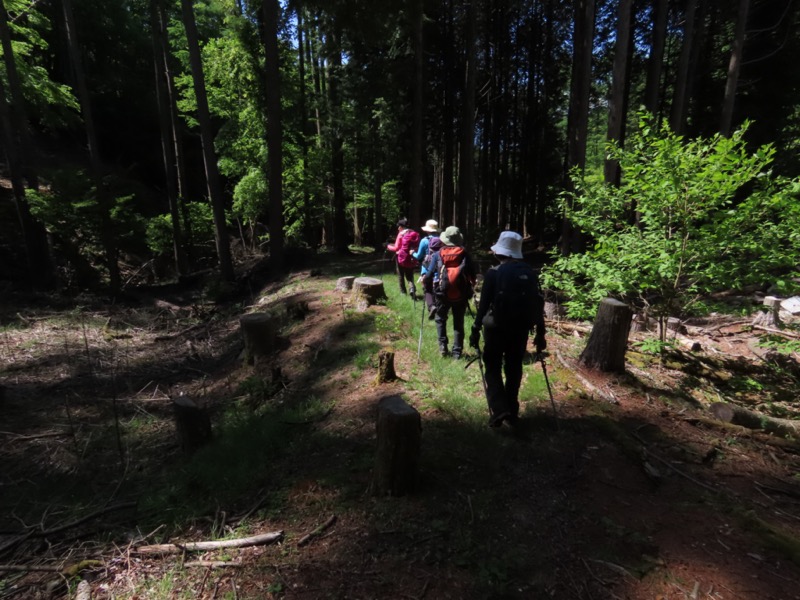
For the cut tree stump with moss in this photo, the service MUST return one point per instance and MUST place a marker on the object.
(345, 284)
(399, 430)
(608, 341)
(367, 291)
(770, 316)
(259, 331)
(386, 372)
(192, 423)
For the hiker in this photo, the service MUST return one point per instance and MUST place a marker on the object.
(404, 246)
(452, 274)
(429, 244)
(510, 307)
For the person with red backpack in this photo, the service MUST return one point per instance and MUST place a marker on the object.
(404, 246)
(452, 273)
(511, 306)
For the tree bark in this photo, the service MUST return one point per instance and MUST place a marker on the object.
(399, 433)
(605, 349)
(272, 10)
(333, 41)
(656, 60)
(734, 66)
(160, 55)
(466, 174)
(617, 104)
(681, 96)
(578, 117)
(417, 145)
(207, 139)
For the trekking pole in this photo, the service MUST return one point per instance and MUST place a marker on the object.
(421, 325)
(479, 358)
(549, 391)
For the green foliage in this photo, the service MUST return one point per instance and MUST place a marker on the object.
(159, 228)
(653, 345)
(690, 217)
(779, 344)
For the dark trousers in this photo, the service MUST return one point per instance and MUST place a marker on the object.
(430, 299)
(503, 351)
(442, 310)
(403, 274)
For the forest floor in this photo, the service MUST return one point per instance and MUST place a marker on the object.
(628, 490)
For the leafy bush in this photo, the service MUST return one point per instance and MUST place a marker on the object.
(159, 228)
(690, 217)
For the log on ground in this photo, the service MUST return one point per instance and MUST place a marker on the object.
(399, 430)
(737, 415)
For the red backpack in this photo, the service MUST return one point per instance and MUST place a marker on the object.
(408, 245)
(454, 284)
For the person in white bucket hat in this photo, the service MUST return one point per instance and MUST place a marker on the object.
(510, 307)
(423, 255)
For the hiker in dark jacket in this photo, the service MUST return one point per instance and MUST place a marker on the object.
(452, 274)
(510, 307)
(405, 263)
(429, 244)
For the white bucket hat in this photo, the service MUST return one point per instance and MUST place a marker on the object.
(431, 226)
(508, 244)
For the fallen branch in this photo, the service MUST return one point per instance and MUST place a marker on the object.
(788, 334)
(309, 536)
(591, 388)
(255, 540)
(212, 564)
(669, 465)
(731, 413)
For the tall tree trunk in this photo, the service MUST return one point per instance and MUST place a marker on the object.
(737, 49)
(103, 200)
(167, 135)
(681, 98)
(207, 139)
(274, 132)
(448, 193)
(617, 104)
(301, 76)
(656, 60)
(417, 146)
(340, 241)
(466, 183)
(578, 119)
(21, 159)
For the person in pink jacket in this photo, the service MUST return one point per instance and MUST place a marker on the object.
(404, 246)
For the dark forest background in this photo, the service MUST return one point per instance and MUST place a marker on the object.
(147, 139)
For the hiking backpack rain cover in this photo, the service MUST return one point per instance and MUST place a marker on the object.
(517, 298)
(454, 286)
(408, 245)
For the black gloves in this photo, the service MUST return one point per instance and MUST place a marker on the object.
(540, 343)
(475, 337)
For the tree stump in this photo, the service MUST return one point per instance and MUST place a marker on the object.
(399, 429)
(367, 291)
(608, 341)
(345, 284)
(640, 322)
(192, 424)
(770, 317)
(259, 332)
(386, 370)
(553, 310)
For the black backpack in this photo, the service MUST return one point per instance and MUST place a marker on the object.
(517, 301)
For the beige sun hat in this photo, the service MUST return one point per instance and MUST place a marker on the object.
(431, 226)
(508, 244)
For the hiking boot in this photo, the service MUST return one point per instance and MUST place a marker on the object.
(496, 421)
(456, 354)
(443, 350)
